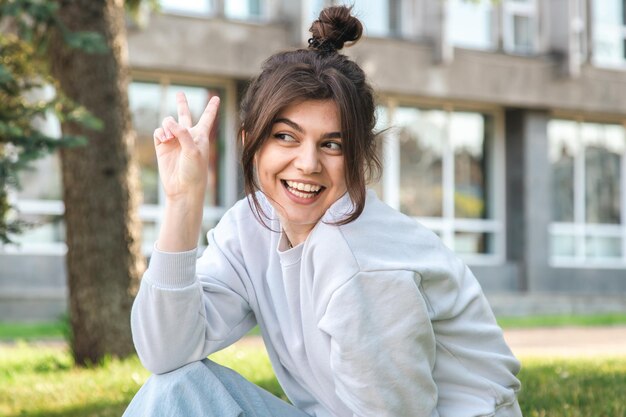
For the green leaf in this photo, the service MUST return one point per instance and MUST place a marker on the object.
(89, 42)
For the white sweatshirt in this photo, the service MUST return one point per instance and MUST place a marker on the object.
(373, 318)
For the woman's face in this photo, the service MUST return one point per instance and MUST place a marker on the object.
(300, 167)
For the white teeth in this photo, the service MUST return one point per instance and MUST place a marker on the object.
(309, 188)
(300, 194)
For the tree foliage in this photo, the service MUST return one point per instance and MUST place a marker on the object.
(24, 73)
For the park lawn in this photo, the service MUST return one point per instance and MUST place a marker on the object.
(60, 329)
(609, 319)
(40, 380)
(34, 331)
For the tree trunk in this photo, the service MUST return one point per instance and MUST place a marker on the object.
(100, 181)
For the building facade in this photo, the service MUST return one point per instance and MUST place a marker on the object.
(504, 132)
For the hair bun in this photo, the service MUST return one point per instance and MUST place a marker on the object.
(333, 28)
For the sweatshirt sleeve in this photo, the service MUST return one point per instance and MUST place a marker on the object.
(382, 345)
(187, 309)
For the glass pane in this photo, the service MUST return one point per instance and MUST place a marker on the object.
(187, 6)
(470, 24)
(315, 6)
(421, 135)
(149, 234)
(198, 97)
(522, 34)
(41, 229)
(608, 35)
(563, 245)
(467, 136)
(43, 180)
(603, 247)
(562, 139)
(381, 125)
(243, 9)
(145, 106)
(607, 12)
(473, 243)
(602, 176)
(374, 14)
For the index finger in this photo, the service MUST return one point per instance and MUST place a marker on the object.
(184, 115)
(209, 115)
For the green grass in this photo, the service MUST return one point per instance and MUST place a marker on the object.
(33, 331)
(40, 380)
(573, 387)
(59, 329)
(560, 321)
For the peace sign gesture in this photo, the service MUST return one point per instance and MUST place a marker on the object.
(183, 150)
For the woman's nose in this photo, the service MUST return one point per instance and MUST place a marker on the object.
(307, 160)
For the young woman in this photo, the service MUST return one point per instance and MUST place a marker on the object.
(363, 311)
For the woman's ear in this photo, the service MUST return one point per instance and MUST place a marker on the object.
(243, 137)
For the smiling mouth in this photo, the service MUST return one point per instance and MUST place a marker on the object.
(302, 190)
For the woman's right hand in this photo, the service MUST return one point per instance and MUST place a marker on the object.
(182, 151)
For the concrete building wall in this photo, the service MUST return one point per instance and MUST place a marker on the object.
(32, 287)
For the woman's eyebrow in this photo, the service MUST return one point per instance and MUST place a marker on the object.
(297, 127)
(291, 123)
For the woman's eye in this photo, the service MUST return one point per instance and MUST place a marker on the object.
(333, 146)
(284, 136)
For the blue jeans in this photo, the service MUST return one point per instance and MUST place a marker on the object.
(209, 390)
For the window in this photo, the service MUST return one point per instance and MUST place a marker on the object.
(474, 25)
(520, 29)
(471, 24)
(588, 207)
(233, 9)
(244, 9)
(193, 7)
(150, 103)
(444, 177)
(609, 32)
(380, 18)
(39, 198)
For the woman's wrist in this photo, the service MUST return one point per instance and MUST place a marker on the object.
(182, 222)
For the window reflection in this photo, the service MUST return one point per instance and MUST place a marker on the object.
(563, 245)
(587, 176)
(523, 34)
(381, 127)
(243, 9)
(380, 18)
(470, 24)
(41, 229)
(35, 186)
(467, 135)
(444, 160)
(562, 139)
(603, 247)
(421, 136)
(608, 32)
(602, 174)
(145, 101)
(468, 243)
(187, 6)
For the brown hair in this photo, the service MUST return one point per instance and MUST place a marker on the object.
(316, 73)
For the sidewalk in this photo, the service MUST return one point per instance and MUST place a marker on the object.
(547, 341)
(568, 341)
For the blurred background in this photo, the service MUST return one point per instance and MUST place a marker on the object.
(504, 135)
